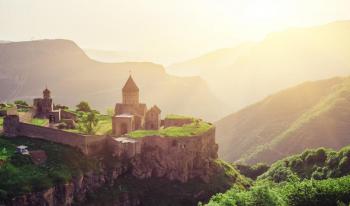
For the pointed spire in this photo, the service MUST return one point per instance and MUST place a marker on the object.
(46, 92)
(130, 85)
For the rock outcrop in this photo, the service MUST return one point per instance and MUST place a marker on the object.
(176, 158)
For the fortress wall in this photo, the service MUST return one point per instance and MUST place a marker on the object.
(95, 144)
(88, 144)
(54, 135)
(123, 149)
(68, 115)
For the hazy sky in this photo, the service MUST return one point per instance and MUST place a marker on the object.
(164, 28)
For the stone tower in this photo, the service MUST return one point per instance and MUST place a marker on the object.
(130, 92)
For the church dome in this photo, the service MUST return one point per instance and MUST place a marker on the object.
(130, 86)
(46, 93)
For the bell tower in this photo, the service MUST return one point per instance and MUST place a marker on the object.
(130, 92)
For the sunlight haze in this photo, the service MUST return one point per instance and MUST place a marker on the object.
(162, 31)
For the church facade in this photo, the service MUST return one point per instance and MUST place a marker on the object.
(43, 108)
(132, 115)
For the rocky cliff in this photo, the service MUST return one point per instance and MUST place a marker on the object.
(176, 159)
(189, 162)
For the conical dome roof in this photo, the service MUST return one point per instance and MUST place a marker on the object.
(130, 86)
(46, 91)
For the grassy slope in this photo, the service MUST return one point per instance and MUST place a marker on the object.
(39, 122)
(184, 131)
(324, 124)
(177, 116)
(18, 175)
(104, 125)
(314, 177)
(313, 114)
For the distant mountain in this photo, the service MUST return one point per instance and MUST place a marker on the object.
(313, 114)
(26, 67)
(249, 72)
(116, 56)
(205, 64)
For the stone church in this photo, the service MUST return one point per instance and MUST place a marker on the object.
(43, 108)
(132, 115)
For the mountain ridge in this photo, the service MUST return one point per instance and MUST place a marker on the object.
(288, 122)
(282, 59)
(26, 67)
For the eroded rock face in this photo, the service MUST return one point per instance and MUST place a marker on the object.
(171, 158)
(176, 158)
(66, 194)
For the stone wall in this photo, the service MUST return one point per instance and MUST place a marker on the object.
(68, 115)
(88, 144)
(123, 148)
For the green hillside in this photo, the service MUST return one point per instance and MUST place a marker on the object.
(313, 114)
(314, 177)
(19, 175)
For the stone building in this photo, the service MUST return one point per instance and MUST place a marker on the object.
(131, 114)
(43, 108)
(152, 119)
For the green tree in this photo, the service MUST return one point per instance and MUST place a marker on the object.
(88, 123)
(83, 106)
(21, 102)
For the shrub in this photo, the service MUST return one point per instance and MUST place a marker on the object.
(21, 102)
(83, 107)
(344, 164)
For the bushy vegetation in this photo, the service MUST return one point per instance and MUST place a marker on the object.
(188, 130)
(307, 193)
(315, 177)
(4, 106)
(83, 107)
(18, 175)
(252, 171)
(21, 102)
(311, 164)
(99, 124)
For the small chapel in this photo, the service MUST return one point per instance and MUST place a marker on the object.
(43, 108)
(132, 115)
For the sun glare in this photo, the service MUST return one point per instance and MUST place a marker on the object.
(262, 17)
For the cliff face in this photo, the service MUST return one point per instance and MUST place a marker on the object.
(179, 160)
(176, 159)
(75, 191)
